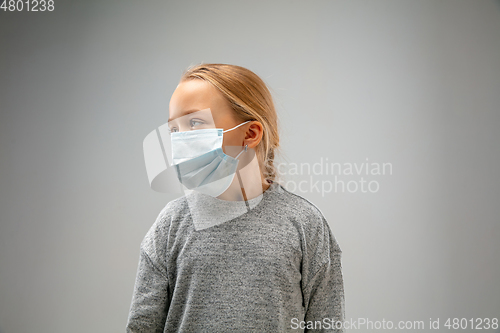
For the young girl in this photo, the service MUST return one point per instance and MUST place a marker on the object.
(206, 265)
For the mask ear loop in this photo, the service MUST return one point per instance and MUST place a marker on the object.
(235, 127)
(241, 183)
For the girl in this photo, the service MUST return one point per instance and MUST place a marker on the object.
(206, 265)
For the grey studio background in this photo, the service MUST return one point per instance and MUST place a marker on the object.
(412, 83)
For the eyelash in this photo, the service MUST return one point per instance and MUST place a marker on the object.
(195, 120)
(191, 121)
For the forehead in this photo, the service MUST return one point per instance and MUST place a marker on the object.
(193, 95)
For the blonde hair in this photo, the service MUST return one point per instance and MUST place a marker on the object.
(250, 99)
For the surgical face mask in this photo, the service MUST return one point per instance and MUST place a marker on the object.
(200, 162)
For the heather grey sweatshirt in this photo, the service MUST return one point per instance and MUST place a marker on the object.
(209, 265)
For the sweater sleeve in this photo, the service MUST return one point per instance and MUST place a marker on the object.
(150, 299)
(323, 287)
(149, 307)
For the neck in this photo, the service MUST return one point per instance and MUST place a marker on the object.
(241, 189)
(248, 182)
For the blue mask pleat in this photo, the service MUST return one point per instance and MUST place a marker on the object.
(200, 162)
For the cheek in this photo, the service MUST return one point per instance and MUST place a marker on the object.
(232, 140)
(228, 145)
(232, 145)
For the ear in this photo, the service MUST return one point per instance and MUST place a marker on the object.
(253, 134)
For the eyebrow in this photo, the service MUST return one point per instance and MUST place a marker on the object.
(185, 113)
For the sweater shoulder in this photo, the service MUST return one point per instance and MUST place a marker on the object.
(295, 205)
(307, 218)
(155, 240)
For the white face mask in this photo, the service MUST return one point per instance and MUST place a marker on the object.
(200, 162)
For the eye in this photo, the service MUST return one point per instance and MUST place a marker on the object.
(173, 129)
(195, 122)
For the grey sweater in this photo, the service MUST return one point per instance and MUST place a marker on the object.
(209, 265)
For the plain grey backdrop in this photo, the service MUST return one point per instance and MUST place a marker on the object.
(412, 83)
